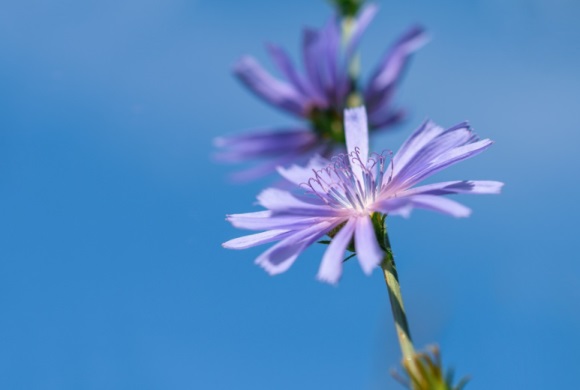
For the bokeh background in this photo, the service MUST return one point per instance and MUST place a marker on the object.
(112, 212)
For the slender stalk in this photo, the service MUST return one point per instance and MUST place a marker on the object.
(397, 307)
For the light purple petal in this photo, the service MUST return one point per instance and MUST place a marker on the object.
(356, 131)
(357, 139)
(254, 172)
(281, 256)
(284, 63)
(300, 175)
(343, 79)
(265, 168)
(410, 148)
(331, 266)
(330, 42)
(273, 91)
(447, 159)
(362, 22)
(266, 220)
(431, 149)
(386, 117)
(311, 56)
(265, 143)
(256, 239)
(283, 201)
(385, 77)
(440, 204)
(405, 204)
(394, 206)
(457, 187)
(435, 147)
(368, 251)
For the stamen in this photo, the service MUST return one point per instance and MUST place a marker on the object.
(338, 187)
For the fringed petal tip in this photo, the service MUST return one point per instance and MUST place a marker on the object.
(404, 212)
(481, 187)
(273, 269)
(219, 142)
(493, 187)
(243, 63)
(418, 36)
(333, 281)
(229, 245)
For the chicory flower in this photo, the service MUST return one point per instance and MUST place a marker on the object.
(319, 95)
(340, 196)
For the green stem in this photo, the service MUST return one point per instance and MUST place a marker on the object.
(397, 307)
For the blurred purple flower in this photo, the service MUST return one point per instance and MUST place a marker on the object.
(320, 95)
(343, 194)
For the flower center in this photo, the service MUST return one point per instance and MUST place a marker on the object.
(328, 124)
(339, 186)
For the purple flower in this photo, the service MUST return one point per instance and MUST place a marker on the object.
(342, 195)
(319, 96)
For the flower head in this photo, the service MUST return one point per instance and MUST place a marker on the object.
(320, 95)
(341, 195)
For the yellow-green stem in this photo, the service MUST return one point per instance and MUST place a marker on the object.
(397, 307)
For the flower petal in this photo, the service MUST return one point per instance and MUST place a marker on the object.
(285, 202)
(266, 220)
(256, 239)
(265, 168)
(356, 132)
(440, 204)
(405, 204)
(343, 79)
(431, 149)
(331, 266)
(411, 147)
(362, 22)
(330, 37)
(457, 187)
(273, 91)
(447, 159)
(264, 143)
(300, 175)
(311, 55)
(381, 85)
(281, 256)
(368, 251)
(386, 117)
(284, 64)
(394, 206)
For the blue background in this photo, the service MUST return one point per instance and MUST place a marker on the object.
(111, 215)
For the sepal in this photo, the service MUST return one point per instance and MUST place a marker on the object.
(425, 372)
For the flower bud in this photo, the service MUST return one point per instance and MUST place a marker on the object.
(425, 372)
